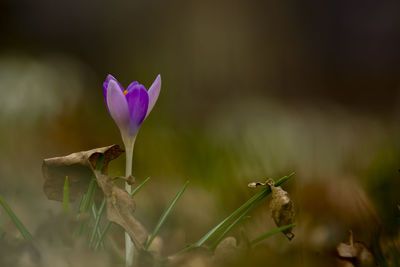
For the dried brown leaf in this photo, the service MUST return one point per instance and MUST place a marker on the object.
(355, 251)
(120, 208)
(78, 167)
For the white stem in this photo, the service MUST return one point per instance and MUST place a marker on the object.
(129, 247)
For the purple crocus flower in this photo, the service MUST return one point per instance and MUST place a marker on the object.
(130, 107)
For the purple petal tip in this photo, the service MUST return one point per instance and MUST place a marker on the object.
(154, 92)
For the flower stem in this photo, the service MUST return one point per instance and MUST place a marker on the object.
(129, 247)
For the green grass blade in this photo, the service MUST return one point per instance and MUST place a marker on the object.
(272, 232)
(88, 197)
(215, 230)
(165, 214)
(82, 228)
(227, 230)
(94, 214)
(99, 162)
(233, 224)
(282, 180)
(82, 202)
(90, 194)
(219, 227)
(24, 232)
(65, 202)
(103, 234)
(137, 189)
(97, 221)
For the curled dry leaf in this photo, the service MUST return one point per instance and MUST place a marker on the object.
(355, 251)
(282, 208)
(78, 167)
(120, 208)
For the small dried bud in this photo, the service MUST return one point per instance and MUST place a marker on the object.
(128, 179)
(255, 184)
(282, 208)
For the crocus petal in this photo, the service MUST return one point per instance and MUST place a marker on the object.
(105, 86)
(130, 87)
(117, 105)
(154, 92)
(138, 101)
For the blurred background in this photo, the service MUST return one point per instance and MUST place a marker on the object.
(250, 90)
